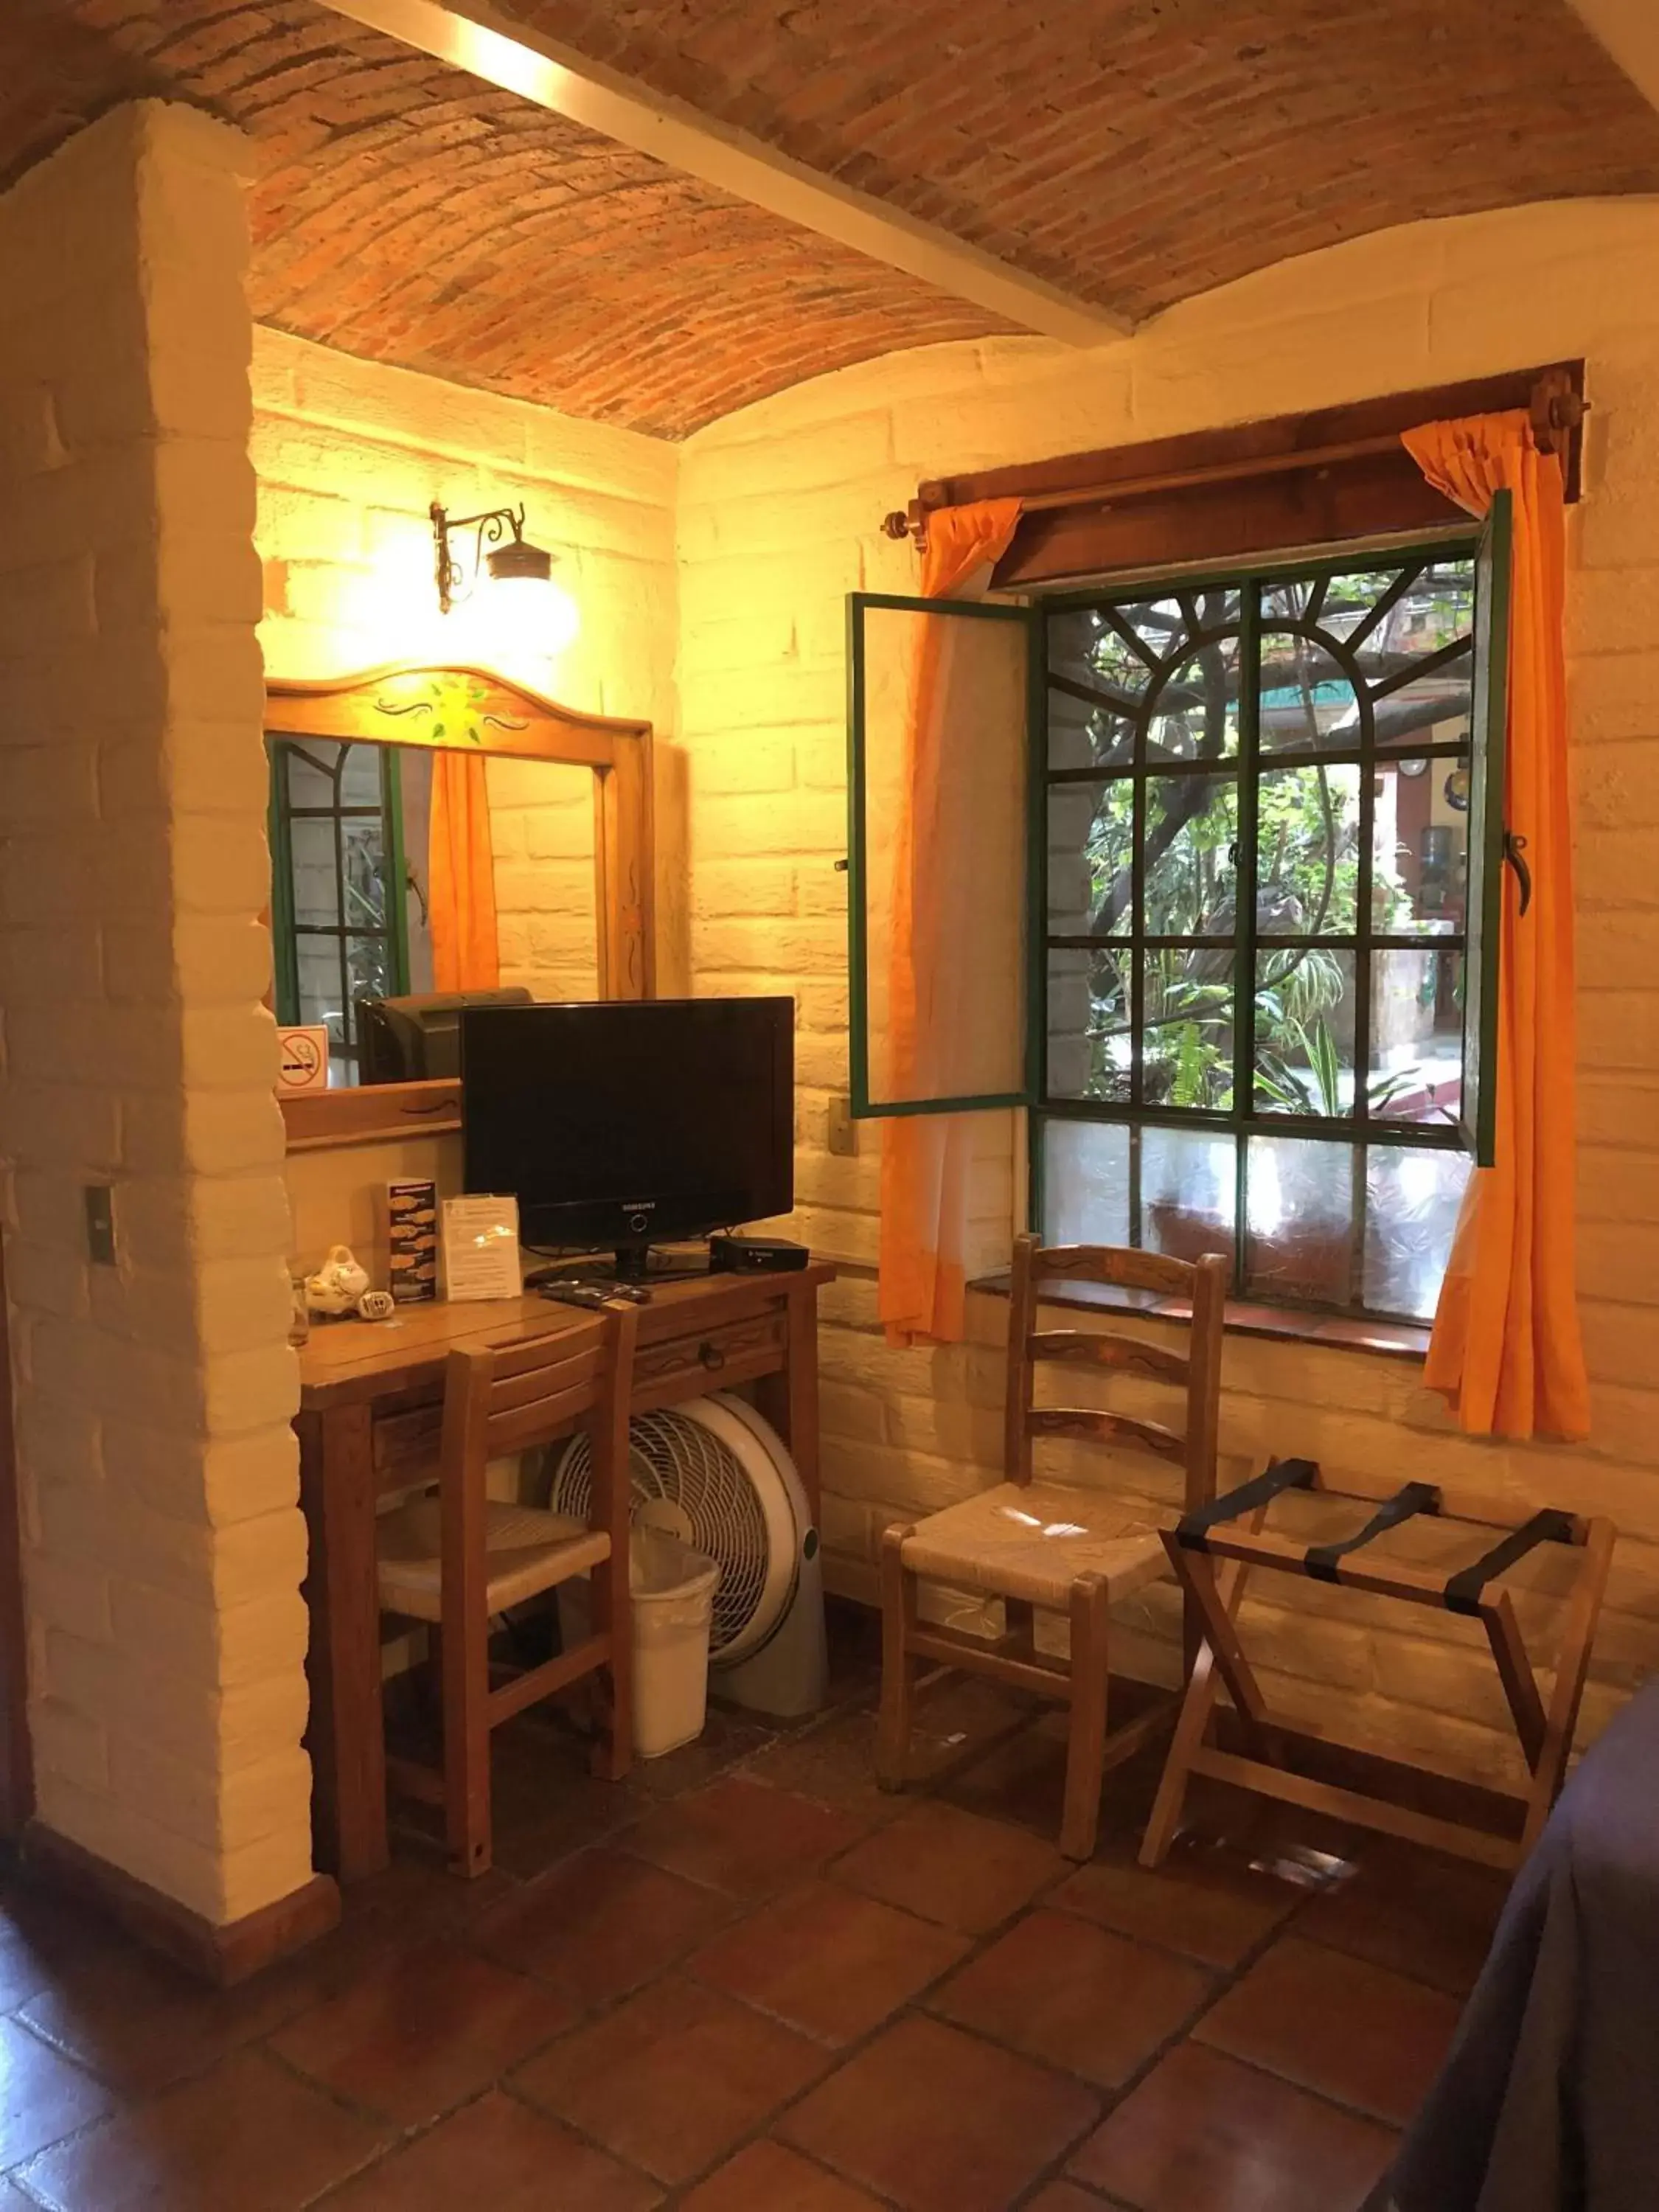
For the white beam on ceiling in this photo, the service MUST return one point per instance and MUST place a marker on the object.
(471, 36)
(1629, 30)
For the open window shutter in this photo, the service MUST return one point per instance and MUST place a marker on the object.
(937, 774)
(1485, 900)
(284, 944)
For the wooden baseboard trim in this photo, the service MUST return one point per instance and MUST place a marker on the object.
(220, 1955)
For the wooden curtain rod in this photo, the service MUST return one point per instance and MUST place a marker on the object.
(1557, 411)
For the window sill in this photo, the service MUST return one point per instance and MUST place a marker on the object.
(1387, 1339)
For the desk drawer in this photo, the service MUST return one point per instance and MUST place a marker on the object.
(408, 1431)
(407, 1439)
(712, 1360)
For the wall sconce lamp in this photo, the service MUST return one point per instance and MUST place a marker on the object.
(542, 616)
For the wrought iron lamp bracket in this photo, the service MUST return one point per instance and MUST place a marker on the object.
(454, 584)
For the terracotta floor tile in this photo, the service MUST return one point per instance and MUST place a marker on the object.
(1394, 2032)
(602, 1924)
(42, 1938)
(833, 1764)
(767, 2178)
(1308, 1848)
(545, 1802)
(957, 1719)
(742, 1838)
(1421, 1913)
(829, 1962)
(1023, 1780)
(1204, 2134)
(939, 2121)
(1204, 1902)
(1075, 1995)
(1064, 2196)
(142, 2024)
(42, 2096)
(247, 2135)
(729, 1736)
(951, 1867)
(417, 1894)
(673, 2078)
(423, 2032)
(497, 2153)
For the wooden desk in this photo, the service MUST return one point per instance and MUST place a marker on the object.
(370, 1408)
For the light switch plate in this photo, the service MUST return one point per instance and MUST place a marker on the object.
(842, 1135)
(99, 1201)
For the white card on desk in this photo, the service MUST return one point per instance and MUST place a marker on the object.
(481, 1248)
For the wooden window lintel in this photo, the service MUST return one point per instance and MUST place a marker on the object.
(1289, 481)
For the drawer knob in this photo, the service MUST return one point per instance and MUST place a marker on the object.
(711, 1356)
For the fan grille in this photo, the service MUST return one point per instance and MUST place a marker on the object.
(699, 1489)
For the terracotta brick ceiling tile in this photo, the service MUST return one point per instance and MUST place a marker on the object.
(1047, 135)
(1131, 151)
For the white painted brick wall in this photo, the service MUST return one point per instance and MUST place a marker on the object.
(164, 1546)
(779, 509)
(349, 456)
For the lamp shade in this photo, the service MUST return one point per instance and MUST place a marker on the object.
(519, 561)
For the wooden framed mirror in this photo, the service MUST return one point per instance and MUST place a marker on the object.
(567, 797)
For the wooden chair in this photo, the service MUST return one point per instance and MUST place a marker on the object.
(1231, 1530)
(1045, 1546)
(456, 1559)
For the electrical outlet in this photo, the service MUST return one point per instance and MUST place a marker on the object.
(842, 1137)
(99, 1201)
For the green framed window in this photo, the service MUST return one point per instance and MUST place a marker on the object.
(1263, 884)
(341, 884)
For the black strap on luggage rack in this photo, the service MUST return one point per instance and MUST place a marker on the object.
(1321, 1560)
(1192, 1531)
(1552, 1526)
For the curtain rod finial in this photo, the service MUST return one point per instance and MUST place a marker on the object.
(1557, 410)
(911, 522)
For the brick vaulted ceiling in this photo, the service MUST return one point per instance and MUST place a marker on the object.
(1132, 152)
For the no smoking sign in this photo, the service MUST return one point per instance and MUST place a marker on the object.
(304, 1064)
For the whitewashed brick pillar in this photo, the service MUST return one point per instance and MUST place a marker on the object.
(164, 1548)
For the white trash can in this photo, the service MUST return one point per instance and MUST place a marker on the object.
(672, 1591)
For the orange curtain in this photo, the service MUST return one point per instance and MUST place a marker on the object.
(1506, 1349)
(926, 1157)
(461, 876)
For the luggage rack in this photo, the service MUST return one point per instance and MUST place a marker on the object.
(1211, 1534)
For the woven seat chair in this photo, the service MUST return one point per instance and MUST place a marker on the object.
(457, 1559)
(1046, 1546)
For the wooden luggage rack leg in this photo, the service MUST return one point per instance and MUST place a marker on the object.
(1545, 1733)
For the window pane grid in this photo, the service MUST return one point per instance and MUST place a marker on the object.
(356, 951)
(1365, 664)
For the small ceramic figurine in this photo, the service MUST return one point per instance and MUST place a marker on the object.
(337, 1284)
(376, 1305)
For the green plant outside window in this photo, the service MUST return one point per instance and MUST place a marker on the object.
(1263, 882)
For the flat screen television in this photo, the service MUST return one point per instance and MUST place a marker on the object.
(630, 1122)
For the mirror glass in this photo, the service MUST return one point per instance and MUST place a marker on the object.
(351, 914)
